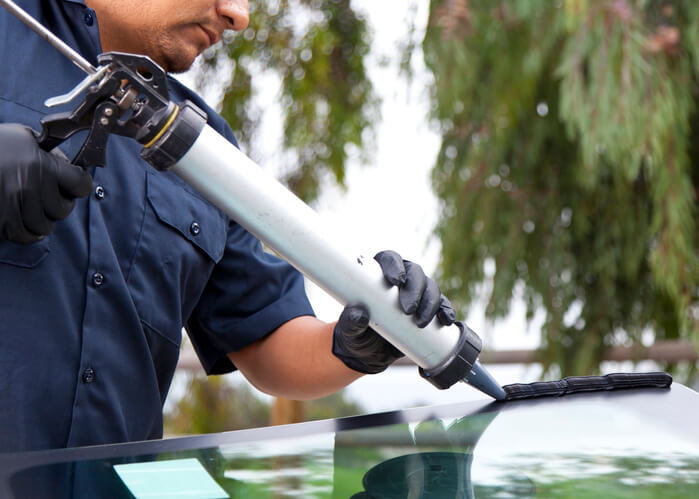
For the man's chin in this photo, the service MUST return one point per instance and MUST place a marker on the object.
(178, 62)
(179, 66)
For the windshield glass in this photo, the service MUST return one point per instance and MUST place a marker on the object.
(589, 446)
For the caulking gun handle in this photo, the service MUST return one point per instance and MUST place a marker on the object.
(56, 128)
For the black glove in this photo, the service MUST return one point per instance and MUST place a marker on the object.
(36, 188)
(364, 350)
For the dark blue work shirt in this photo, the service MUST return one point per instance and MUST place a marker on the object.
(91, 316)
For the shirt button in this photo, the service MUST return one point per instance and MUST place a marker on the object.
(194, 228)
(97, 279)
(99, 192)
(88, 375)
(89, 18)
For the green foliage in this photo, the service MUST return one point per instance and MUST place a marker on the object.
(569, 155)
(212, 405)
(318, 49)
(332, 406)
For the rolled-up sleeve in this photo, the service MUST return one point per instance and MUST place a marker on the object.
(249, 294)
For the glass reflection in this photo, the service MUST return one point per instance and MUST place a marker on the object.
(442, 468)
(574, 448)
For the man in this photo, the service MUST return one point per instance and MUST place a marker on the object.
(101, 269)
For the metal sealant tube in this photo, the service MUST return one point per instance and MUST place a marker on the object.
(267, 209)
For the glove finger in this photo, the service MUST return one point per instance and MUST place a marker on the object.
(56, 151)
(411, 292)
(446, 314)
(55, 204)
(429, 304)
(354, 320)
(358, 346)
(73, 181)
(21, 235)
(14, 230)
(392, 266)
(34, 218)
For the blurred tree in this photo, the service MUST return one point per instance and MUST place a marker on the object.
(318, 49)
(569, 159)
(212, 404)
(332, 406)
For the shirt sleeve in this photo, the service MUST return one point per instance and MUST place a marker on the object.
(249, 294)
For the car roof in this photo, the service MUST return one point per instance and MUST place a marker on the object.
(522, 446)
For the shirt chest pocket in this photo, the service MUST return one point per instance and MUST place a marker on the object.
(182, 238)
(24, 255)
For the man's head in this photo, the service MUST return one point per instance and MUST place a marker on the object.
(171, 33)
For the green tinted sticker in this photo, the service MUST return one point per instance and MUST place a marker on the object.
(181, 478)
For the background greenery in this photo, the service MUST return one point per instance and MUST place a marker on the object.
(570, 141)
(570, 144)
(318, 49)
(212, 404)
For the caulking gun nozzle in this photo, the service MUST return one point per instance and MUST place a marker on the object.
(482, 380)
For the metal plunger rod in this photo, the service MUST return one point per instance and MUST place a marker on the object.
(44, 33)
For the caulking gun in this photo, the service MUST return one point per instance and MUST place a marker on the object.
(127, 95)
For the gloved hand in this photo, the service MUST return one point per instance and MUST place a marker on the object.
(364, 350)
(36, 188)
